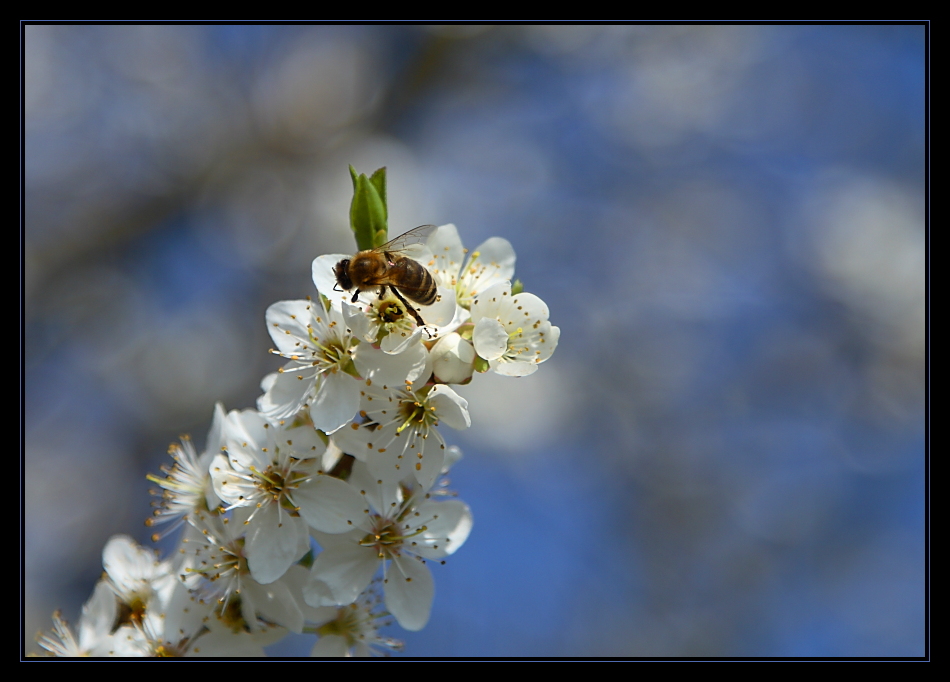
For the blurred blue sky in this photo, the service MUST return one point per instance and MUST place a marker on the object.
(724, 457)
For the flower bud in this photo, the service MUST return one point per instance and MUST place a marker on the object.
(452, 359)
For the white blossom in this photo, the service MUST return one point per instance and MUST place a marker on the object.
(491, 263)
(400, 528)
(181, 628)
(321, 375)
(344, 448)
(395, 432)
(95, 628)
(276, 472)
(353, 630)
(512, 332)
(137, 578)
(187, 490)
(214, 568)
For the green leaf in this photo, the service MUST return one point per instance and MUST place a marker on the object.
(378, 180)
(368, 214)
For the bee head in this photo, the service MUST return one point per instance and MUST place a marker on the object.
(341, 270)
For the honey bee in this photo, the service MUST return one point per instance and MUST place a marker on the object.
(386, 266)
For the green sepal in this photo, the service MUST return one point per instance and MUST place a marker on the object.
(368, 213)
(481, 364)
(350, 368)
(516, 287)
(306, 560)
(466, 331)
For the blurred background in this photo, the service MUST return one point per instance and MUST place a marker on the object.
(724, 457)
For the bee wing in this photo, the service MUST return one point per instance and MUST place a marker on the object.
(408, 240)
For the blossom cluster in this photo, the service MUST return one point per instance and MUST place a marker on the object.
(318, 511)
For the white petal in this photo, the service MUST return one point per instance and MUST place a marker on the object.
(549, 344)
(337, 400)
(127, 564)
(345, 570)
(247, 434)
(380, 496)
(98, 617)
(452, 455)
(447, 533)
(429, 466)
(397, 343)
(226, 483)
(355, 320)
(304, 441)
(352, 439)
(490, 338)
(287, 323)
(267, 382)
(450, 406)
(488, 301)
(447, 254)
(388, 369)
(276, 603)
(493, 261)
(288, 391)
(216, 433)
(295, 578)
(318, 592)
(409, 592)
(441, 313)
(329, 504)
(330, 646)
(459, 317)
(515, 369)
(532, 306)
(273, 543)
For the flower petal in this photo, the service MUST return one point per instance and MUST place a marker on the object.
(447, 254)
(344, 570)
(273, 543)
(409, 592)
(276, 603)
(447, 531)
(329, 504)
(286, 392)
(288, 324)
(515, 368)
(337, 400)
(490, 338)
(450, 406)
(330, 646)
(248, 437)
(389, 369)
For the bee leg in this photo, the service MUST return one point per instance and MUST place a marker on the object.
(382, 291)
(412, 311)
(355, 296)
